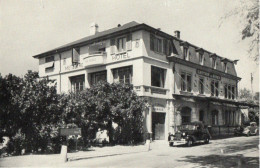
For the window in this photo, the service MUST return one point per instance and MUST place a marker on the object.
(225, 67)
(186, 115)
(121, 44)
(226, 91)
(98, 76)
(201, 86)
(229, 91)
(49, 59)
(77, 83)
(201, 58)
(185, 53)
(157, 76)
(214, 63)
(214, 117)
(233, 92)
(186, 82)
(156, 44)
(214, 88)
(123, 75)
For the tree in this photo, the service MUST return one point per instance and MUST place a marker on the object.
(29, 110)
(104, 104)
(248, 13)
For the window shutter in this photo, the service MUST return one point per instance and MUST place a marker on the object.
(75, 55)
(152, 42)
(165, 46)
(129, 42)
(112, 46)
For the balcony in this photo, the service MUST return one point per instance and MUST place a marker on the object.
(95, 59)
(144, 90)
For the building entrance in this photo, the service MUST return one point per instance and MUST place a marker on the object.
(158, 126)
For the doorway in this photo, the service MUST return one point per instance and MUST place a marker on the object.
(158, 126)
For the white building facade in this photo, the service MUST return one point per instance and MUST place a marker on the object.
(182, 82)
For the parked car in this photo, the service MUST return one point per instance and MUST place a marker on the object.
(252, 129)
(190, 133)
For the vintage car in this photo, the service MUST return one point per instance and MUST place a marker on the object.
(252, 129)
(190, 133)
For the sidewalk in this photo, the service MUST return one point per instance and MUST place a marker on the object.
(55, 160)
(106, 151)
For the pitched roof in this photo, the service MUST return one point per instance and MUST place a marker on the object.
(97, 35)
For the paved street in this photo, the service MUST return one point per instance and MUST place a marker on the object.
(231, 152)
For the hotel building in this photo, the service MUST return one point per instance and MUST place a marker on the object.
(182, 82)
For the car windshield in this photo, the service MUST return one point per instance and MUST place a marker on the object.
(187, 127)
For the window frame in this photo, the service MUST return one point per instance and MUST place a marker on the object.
(184, 82)
(93, 76)
(76, 80)
(49, 59)
(214, 90)
(162, 77)
(157, 44)
(117, 71)
(201, 84)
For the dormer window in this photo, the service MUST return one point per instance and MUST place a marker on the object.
(225, 67)
(200, 52)
(225, 61)
(214, 58)
(185, 53)
(214, 63)
(185, 46)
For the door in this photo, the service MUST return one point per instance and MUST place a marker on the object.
(158, 120)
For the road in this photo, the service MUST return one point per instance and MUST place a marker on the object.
(231, 152)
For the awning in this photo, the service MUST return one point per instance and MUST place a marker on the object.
(49, 65)
(215, 100)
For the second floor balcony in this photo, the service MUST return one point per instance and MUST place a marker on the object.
(95, 58)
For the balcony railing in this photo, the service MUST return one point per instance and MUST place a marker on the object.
(95, 58)
(151, 90)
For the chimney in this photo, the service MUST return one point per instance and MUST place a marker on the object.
(93, 29)
(177, 34)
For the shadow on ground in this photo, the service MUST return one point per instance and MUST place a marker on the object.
(223, 161)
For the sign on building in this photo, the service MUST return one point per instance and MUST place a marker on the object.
(70, 131)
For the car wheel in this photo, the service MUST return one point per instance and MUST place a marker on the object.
(171, 144)
(206, 141)
(190, 143)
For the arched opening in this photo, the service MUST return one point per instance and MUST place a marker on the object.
(186, 115)
(214, 117)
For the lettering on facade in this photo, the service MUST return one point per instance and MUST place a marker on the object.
(158, 108)
(207, 74)
(72, 67)
(120, 56)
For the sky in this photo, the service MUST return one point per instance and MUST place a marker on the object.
(30, 27)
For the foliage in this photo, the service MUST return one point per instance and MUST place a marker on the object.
(248, 13)
(31, 113)
(28, 109)
(246, 95)
(253, 116)
(104, 104)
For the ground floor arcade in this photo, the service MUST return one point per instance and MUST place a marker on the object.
(163, 116)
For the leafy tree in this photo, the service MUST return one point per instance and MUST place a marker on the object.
(29, 110)
(104, 104)
(248, 13)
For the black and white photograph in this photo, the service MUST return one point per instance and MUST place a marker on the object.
(129, 83)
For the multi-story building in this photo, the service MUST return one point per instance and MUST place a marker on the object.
(181, 81)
